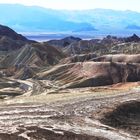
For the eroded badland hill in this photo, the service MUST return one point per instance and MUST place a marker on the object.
(69, 89)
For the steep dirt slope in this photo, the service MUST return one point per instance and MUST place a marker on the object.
(10, 40)
(34, 54)
(6, 31)
(25, 62)
(88, 74)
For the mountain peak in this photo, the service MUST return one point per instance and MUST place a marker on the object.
(133, 38)
(6, 31)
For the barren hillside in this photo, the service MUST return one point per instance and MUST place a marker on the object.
(82, 90)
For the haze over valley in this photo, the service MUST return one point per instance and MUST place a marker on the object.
(36, 22)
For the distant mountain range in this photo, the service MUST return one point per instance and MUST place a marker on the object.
(133, 27)
(37, 19)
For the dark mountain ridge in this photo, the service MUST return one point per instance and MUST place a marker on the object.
(6, 31)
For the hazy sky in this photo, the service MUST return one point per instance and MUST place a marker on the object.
(81, 4)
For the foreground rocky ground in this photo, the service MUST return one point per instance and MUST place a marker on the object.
(101, 113)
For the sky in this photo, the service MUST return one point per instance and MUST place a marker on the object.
(133, 5)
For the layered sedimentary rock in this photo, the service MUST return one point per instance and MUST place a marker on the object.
(88, 74)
